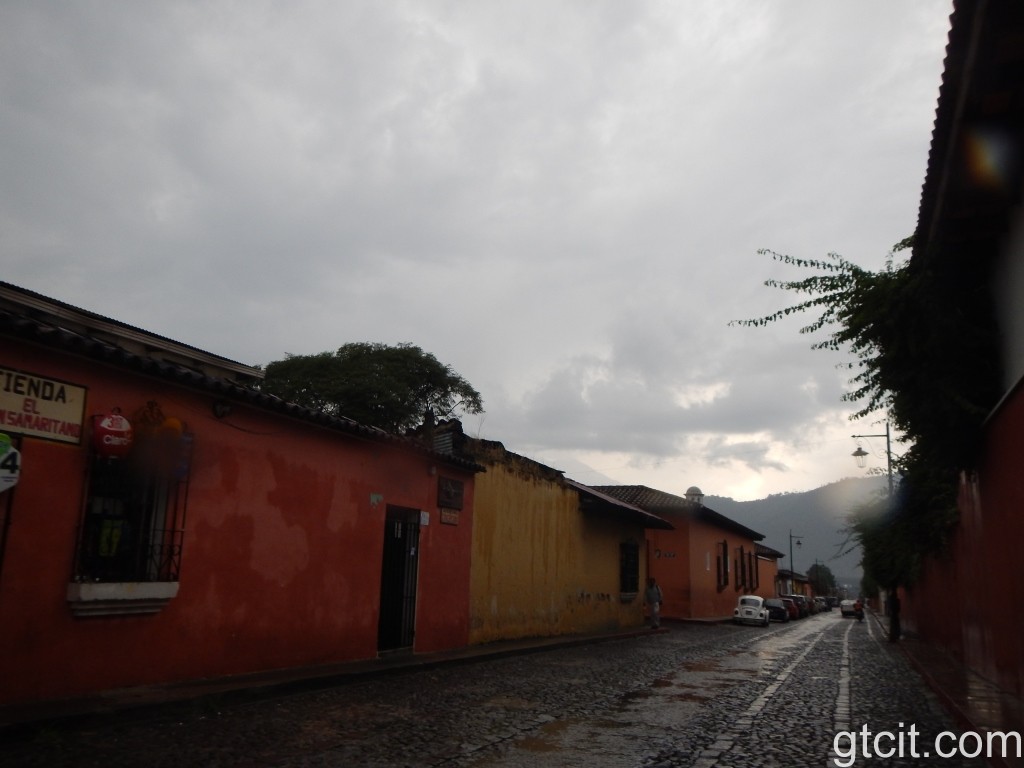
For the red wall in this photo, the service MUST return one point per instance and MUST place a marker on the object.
(684, 563)
(708, 600)
(281, 563)
(967, 600)
(668, 561)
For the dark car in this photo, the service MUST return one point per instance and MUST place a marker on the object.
(777, 610)
(801, 604)
(794, 612)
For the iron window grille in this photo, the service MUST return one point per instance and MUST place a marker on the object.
(133, 513)
(722, 563)
(629, 567)
(741, 569)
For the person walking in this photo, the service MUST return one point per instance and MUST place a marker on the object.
(894, 615)
(652, 596)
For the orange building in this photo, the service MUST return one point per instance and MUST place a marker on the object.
(162, 520)
(706, 562)
(768, 569)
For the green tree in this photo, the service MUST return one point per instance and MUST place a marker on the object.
(391, 387)
(823, 582)
(912, 329)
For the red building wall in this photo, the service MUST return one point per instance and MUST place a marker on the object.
(768, 577)
(965, 599)
(281, 563)
(668, 561)
(685, 563)
(709, 599)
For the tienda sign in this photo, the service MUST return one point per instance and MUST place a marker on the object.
(41, 407)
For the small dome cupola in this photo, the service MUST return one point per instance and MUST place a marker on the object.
(694, 495)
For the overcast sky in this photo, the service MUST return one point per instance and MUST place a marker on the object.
(562, 200)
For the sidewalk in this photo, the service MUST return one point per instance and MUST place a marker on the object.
(138, 701)
(974, 703)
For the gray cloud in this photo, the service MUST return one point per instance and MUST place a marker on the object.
(563, 201)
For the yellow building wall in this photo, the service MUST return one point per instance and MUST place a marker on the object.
(540, 567)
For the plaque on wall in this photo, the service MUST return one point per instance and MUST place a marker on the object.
(449, 517)
(449, 493)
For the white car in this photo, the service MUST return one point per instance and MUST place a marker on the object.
(751, 610)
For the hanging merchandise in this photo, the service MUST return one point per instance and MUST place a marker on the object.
(184, 461)
(10, 463)
(171, 427)
(111, 434)
(148, 420)
(175, 446)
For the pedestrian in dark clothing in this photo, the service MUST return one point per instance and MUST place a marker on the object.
(652, 596)
(894, 616)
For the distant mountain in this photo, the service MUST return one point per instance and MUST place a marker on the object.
(817, 519)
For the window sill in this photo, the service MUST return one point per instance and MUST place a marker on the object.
(628, 597)
(120, 598)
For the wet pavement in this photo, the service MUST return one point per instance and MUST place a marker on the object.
(697, 695)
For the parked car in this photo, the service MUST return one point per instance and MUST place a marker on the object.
(777, 610)
(750, 609)
(822, 604)
(794, 612)
(848, 607)
(801, 604)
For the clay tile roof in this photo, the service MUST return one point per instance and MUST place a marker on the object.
(765, 551)
(980, 104)
(594, 499)
(669, 505)
(35, 318)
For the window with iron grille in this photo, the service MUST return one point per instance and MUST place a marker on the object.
(133, 513)
(629, 567)
(741, 570)
(722, 561)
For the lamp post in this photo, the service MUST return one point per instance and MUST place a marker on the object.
(861, 456)
(792, 565)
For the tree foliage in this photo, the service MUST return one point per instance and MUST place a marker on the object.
(912, 330)
(391, 387)
(823, 581)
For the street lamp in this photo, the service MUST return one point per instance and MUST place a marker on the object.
(861, 456)
(792, 565)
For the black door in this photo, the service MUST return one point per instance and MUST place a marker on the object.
(398, 579)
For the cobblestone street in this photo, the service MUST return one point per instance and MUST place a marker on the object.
(698, 695)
